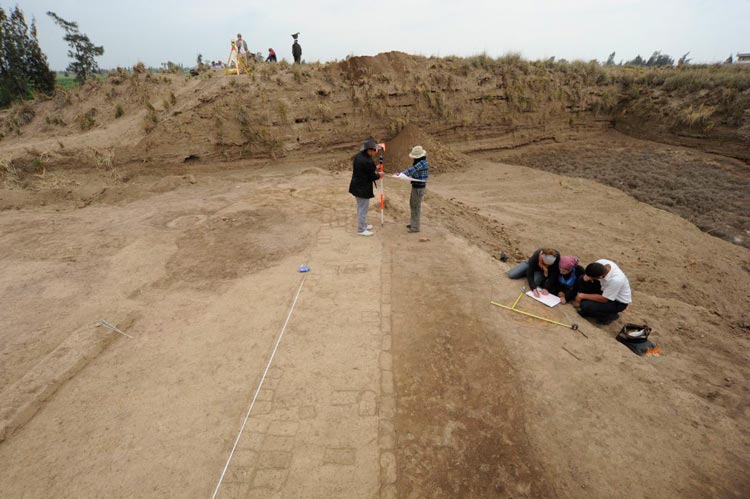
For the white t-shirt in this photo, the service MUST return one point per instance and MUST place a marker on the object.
(615, 285)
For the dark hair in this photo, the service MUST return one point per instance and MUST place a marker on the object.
(417, 160)
(595, 270)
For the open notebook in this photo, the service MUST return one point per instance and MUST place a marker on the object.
(550, 300)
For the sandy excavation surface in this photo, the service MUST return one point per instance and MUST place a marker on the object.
(709, 190)
(395, 377)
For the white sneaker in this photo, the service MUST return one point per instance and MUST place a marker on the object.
(366, 233)
(369, 227)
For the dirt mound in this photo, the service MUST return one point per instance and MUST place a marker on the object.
(441, 158)
(396, 158)
(279, 110)
(363, 67)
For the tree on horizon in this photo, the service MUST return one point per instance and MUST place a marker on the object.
(656, 60)
(684, 59)
(23, 65)
(82, 50)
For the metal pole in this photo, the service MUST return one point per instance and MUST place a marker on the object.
(382, 197)
(381, 169)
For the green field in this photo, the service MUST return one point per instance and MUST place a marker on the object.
(67, 82)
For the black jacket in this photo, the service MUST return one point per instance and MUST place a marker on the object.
(363, 175)
(553, 271)
(570, 291)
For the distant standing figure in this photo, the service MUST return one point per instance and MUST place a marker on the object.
(363, 175)
(296, 50)
(241, 45)
(271, 55)
(419, 170)
(615, 294)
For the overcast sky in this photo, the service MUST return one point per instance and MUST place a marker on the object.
(156, 31)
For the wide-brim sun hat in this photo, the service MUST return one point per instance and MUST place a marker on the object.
(370, 144)
(417, 152)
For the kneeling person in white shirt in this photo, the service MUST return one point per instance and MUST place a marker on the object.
(615, 296)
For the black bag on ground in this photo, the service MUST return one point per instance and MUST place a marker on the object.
(635, 337)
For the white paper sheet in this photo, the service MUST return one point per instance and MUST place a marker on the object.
(550, 300)
(405, 177)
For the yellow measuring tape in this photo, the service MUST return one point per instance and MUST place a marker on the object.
(513, 308)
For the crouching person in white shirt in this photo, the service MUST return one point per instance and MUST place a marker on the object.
(615, 297)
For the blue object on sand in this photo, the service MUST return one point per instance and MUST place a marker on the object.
(304, 268)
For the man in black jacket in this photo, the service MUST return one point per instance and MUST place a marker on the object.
(363, 175)
(296, 50)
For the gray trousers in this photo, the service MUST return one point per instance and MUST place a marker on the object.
(363, 204)
(415, 203)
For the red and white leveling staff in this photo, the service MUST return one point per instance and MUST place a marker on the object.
(381, 148)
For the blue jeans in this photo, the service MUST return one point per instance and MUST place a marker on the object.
(520, 270)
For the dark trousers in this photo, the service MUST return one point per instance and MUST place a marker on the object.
(597, 310)
(594, 309)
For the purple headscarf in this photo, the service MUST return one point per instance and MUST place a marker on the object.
(568, 263)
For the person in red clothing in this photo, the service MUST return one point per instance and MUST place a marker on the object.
(271, 55)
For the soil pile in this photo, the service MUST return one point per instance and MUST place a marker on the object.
(361, 68)
(441, 158)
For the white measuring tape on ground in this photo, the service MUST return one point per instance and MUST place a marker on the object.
(260, 385)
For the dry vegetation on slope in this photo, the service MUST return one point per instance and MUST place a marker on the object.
(460, 105)
(279, 109)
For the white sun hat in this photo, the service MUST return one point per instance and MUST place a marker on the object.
(417, 152)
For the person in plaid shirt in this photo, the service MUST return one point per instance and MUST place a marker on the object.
(419, 171)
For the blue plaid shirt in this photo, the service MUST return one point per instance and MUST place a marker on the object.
(420, 171)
